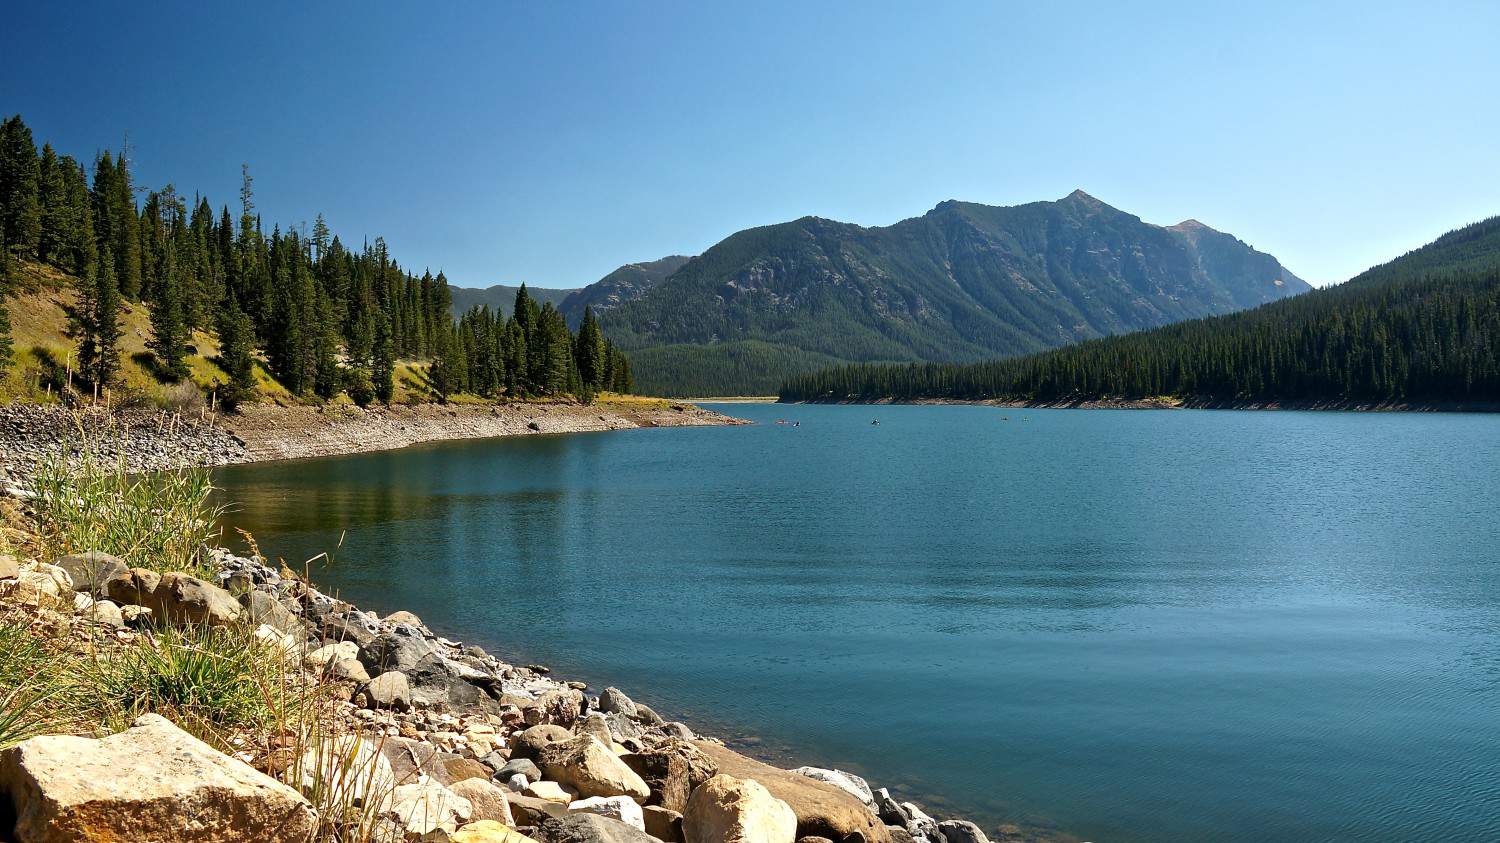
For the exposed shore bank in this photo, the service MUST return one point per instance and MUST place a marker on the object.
(433, 739)
(1167, 403)
(149, 440)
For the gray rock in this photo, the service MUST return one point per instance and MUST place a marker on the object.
(349, 625)
(265, 609)
(961, 831)
(91, 570)
(847, 782)
(614, 701)
(388, 690)
(889, 810)
(587, 828)
(399, 649)
(519, 766)
(646, 715)
(673, 729)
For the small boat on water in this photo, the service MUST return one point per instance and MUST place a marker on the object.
(875, 421)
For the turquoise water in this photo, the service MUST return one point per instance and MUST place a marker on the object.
(1115, 625)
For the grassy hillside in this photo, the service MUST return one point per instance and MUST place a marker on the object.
(44, 352)
(1424, 328)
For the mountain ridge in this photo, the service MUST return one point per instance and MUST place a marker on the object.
(963, 281)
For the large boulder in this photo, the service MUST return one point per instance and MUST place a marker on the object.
(530, 743)
(40, 584)
(174, 597)
(671, 770)
(388, 690)
(151, 782)
(587, 828)
(614, 701)
(847, 782)
(730, 810)
(349, 770)
(662, 823)
(488, 800)
(265, 609)
(591, 768)
(822, 810)
(962, 831)
(423, 807)
(398, 649)
(91, 570)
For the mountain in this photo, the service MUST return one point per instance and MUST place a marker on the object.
(625, 284)
(1423, 329)
(962, 282)
(501, 297)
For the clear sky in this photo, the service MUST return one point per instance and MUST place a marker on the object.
(552, 142)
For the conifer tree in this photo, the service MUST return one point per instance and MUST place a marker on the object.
(589, 352)
(168, 328)
(5, 340)
(96, 322)
(20, 198)
(236, 354)
(383, 370)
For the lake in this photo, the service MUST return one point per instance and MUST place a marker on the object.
(1114, 625)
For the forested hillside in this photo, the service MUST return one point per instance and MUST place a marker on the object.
(323, 318)
(1424, 328)
(962, 282)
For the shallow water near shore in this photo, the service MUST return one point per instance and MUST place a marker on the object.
(1117, 625)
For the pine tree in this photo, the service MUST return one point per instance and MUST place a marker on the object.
(236, 355)
(589, 352)
(52, 196)
(20, 198)
(383, 370)
(96, 322)
(126, 229)
(168, 328)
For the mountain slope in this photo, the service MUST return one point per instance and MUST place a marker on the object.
(1421, 329)
(625, 284)
(500, 298)
(962, 282)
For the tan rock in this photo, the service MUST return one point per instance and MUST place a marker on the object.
(621, 808)
(10, 567)
(591, 768)
(488, 800)
(174, 598)
(549, 791)
(331, 654)
(424, 807)
(662, 823)
(822, 810)
(152, 782)
(488, 831)
(725, 809)
(529, 744)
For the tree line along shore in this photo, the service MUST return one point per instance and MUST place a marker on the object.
(243, 313)
(1422, 331)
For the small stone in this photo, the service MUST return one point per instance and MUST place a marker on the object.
(550, 791)
(621, 808)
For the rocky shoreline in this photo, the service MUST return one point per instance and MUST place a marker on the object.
(152, 440)
(465, 748)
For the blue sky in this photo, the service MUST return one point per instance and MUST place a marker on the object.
(553, 142)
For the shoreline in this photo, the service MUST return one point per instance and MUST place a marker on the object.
(153, 440)
(1178, 404)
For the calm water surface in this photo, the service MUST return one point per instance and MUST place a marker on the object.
(1119, 625)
